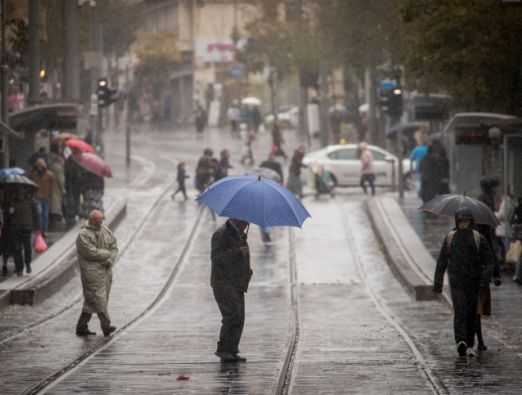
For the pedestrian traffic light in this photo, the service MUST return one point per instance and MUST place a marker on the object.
(106, 95)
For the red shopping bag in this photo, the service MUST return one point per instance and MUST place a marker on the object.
(39, 244)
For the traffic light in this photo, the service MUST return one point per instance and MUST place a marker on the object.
(395, 106)
(391, 102)
(106, 95)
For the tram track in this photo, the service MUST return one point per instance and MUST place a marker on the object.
(285, 376)
(432, 381)
(69, 368)
(78, 299)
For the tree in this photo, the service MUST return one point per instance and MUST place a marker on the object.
(471, 49)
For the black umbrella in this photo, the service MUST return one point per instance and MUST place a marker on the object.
(447, 205)
(18, 180)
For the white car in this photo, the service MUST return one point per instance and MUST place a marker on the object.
(288, 118)
(344, 164)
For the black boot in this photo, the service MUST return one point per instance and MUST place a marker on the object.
(81, 327)
(105, 324)
(481, 345)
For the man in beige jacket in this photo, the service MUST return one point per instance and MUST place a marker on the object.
(97, 251)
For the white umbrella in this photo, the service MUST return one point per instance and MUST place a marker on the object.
(251, 101)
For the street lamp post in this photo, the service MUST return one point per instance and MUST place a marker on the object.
(3, 84)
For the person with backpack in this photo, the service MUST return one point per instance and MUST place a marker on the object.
(468, 258)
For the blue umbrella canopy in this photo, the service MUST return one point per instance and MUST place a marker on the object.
(254, 199)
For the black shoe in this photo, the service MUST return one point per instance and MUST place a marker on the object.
(28, 269)
(108, 331)
(462, 348)
(85, 333)
(482, 347)
(225, 357)
(4, 270)
(239, 358)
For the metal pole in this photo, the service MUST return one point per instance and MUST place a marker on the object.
(401, 170)
(3, 87)
(128, 139)
(34, 52)
(323, 104)
(71, 80)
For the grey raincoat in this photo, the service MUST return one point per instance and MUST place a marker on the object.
(97, 251)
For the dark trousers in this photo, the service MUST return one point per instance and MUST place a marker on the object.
(83, 321)
(465, 302)
(182, 189)
(23, 249)
(370, 178)
(231, 303)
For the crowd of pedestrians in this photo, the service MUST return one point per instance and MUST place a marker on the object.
(63, 193)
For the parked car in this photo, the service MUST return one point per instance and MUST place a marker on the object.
(288, 118)
(343, 162)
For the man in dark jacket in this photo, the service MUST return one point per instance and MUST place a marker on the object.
(230, 276)
(469, 260)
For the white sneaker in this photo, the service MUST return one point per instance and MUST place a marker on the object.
(471, 353)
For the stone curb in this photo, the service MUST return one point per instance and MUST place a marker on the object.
(409, 259)
(62, 267)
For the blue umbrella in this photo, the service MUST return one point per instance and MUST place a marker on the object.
(254, 199)
(12, 171)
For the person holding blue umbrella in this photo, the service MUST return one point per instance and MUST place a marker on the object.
(244, 200)
(230, 276)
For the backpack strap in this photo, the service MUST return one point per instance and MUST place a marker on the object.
(449, 239)
(451, 235)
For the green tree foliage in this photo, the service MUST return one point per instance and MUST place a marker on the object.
(470, 48)
(365, 32)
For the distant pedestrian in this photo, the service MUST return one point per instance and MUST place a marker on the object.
(71, 204)
(417, 155)
(274, 165)
(234, 117)
(230, 276)
(181, 176)
(469, 260)
(223, 165)
(247, 154)
(45, 180)
(367, 168)
(431, 174)
(200, 115)
(294, 184)
(489, 186)
(277, 142)
(57, 167)
(204, 170)
(97, 251)
(92, 189)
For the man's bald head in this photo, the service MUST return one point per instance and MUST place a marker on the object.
(96, 217)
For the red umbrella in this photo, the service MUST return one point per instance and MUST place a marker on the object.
(79, 145)
(93, 163)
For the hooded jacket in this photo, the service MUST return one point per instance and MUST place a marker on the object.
(467, 268)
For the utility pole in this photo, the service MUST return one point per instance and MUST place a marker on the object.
(3, 84)
(323, 103)
(303, 89)
(34, 51)
(71, 70)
